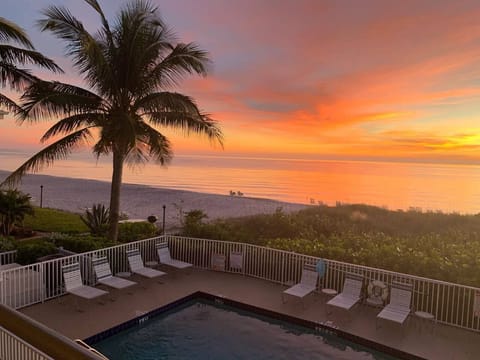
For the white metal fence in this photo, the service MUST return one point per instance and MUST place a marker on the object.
(8, 257)
(450, 303)
(14, 348)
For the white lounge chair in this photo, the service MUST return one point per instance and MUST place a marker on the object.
(165, 258)
(307, 284)
(399, 307)
(351, 293)
(136, 265)
(74, 284)
(105, 277)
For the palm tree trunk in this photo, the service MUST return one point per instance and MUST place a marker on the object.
(115, 195)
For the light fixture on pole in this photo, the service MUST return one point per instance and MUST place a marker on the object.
(163, 223)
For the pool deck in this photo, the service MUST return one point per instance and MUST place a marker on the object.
(416, 337)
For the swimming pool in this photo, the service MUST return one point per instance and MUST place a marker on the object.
(205, 329)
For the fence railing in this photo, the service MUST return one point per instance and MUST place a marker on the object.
(450, 303)
(14, 348)
(8, 257)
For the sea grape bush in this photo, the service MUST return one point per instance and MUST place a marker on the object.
(430, 244)
(133, 231)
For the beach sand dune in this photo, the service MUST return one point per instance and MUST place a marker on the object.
(140, 201)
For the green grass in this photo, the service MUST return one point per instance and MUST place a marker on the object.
(51, 220)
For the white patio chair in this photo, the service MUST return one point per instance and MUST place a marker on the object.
(105, 276)
(136, 265)
(74, 284)
(165, 258)
(351, 293)
(307, 284)
(399, 307)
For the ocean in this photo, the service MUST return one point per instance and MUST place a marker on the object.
(429, 187)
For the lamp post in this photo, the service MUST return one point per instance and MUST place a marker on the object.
(41, 196)
(163, 226)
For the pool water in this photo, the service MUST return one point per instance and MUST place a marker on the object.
(204, 330)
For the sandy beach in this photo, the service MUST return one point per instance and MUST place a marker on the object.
(139, 201)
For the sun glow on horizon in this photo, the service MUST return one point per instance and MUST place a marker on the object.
(399, 83)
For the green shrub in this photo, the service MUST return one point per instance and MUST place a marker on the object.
(79, 243)
(7, 244)
(133, 231)
(28, 253)
(14, 206)
(97, 219)
(434, 245)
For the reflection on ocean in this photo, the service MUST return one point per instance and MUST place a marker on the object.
(443, 187)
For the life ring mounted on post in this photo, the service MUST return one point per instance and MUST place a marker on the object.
(377, 291)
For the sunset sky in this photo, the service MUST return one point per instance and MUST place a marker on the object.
(397, 80)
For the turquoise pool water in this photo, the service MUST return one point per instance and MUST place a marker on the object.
(204, 330)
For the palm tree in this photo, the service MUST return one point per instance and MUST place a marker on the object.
(11, 56)
(14, 205)
(129, 67)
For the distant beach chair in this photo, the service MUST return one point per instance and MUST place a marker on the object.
(399, 307)
(307, 284)
(74, 284)
(104, 275)
(136, 265)
(351, 293)
(165, 258)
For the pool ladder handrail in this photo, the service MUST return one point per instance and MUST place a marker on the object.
(89, 348)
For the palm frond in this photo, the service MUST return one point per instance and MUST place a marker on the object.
(138, 155)
(46, 157)
(184, 59)
(14, 55)
(9, 104)
(80, 44)
(60, 21)
(89, 54)
(181, 112)
(159, 147)
(141, 38)
(166, 101)
(102, 147)
(96, 6)
(15, 78)
(73, 123)
(187, 124)
(45, 99)
(10, 31)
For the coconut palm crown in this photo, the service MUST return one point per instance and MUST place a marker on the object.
(129, 65)
(11, 57)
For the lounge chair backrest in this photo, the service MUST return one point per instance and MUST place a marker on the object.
(135, 260)
(72, 276)
(309, 275)
(102, 268)
(401, 294)
(352, 285)
(236, 260)
(163, 252)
